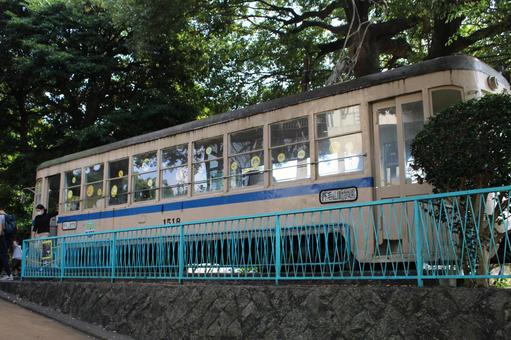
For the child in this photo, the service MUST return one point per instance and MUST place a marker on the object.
(16, 258)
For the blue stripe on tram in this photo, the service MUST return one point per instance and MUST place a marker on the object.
(366, 182)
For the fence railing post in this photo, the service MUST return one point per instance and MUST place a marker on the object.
(24, 253)
(113, 257)
(180, 255)
(277, 250)
(418, 243)
(62, 258)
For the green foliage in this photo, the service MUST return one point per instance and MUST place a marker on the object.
(71, 79)
(467, 145)
(502, 283)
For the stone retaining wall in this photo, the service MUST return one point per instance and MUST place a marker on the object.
(168, 311)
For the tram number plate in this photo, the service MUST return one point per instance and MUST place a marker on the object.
(172, 220)
(338, 195)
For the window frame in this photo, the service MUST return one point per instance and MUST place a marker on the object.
(442, 87)
(317, 140)
(109, 180)
(271, 148)
(132, 191)
(161, 169)
(193, 163)
(65, 190)
(232, 155)
(85, 184)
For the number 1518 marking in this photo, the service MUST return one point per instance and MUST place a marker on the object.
(172, 220)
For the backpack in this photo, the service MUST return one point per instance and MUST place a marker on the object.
(10, 225)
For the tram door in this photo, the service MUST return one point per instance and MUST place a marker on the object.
(52, 200)
(396, 123)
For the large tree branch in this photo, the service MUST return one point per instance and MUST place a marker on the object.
(261, 16)
(398, 47)
(288, 10)
(321, 14)
(339, 30)
(392, 27)
(463, 42)
(302, 21)
(296, 18)
(330, 47)
(268, 28)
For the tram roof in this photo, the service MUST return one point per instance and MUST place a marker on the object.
(460, 62)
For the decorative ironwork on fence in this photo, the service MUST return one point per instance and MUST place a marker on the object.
(453, 235)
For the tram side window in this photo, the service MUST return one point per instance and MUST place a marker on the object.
(208, 165)
(72, 185)
(290, 150)
(144, 176)
(389, 155)
(443, 98)
(93, 186)
(174, 173)
(413, 123)
(339, 141)
(246, 158)
(118, 182)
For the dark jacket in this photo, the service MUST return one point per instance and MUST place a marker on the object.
(41, 223)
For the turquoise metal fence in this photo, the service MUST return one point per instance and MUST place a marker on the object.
(453, 235)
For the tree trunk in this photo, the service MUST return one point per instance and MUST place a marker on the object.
(363, 51)
(483, 267)
(340, 68)
(483, 252)
(368, 58)
(443, 31)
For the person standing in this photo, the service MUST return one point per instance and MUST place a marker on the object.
(41, 223)
(16, 258)
(4, 247)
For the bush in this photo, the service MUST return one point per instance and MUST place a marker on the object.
(467, 146)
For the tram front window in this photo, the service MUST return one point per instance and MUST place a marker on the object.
(443, 98)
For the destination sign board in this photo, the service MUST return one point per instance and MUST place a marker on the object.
(338, 195)
(69, 225)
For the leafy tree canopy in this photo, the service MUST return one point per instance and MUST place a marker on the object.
(367, 36)
(72, 78)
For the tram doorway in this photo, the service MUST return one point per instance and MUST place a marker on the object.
(52, 200)
(396, 122)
